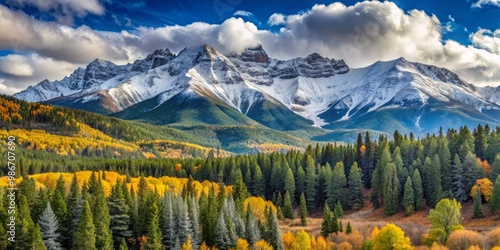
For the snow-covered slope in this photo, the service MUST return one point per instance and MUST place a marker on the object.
(319, 89)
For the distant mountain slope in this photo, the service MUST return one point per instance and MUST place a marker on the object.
(201, 86)
(52, 125)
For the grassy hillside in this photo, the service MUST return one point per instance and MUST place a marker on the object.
(55, 127)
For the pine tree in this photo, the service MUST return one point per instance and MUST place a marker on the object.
(310, 184)
(445, 160)
(49, 228)
(418, 191)
(259, 182)
(168, 222)
(355, 187)
(471, 171)
(390, 190)
(251, 227)
(457, 180)
(222, 240)
(123, 245)
(287, 207)
(60, 209)
(38, 243)
(480, 142)
(336, 186)
(477, 208)
(339, 212)
(303, 210)
(409, 197)
(119, 215)
(153, 232)
(274, 236)
(290, 184)
(435, 188)
(183, 226)
(495, 168)
(194, 213)
(24, 225)
(142, 216)
(348, 229)
(85, 232)
(326, 224)
(300, 179)
(494, 203)
(101, 217)
(75, 206)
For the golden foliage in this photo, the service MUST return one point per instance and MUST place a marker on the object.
(258, 205)
(242, 244)
(63, 145)
(162, 184)
(355, 239)
(463, 239)
(302, 241)
(288, 240)
(344, 246)
(436, 246)
(263, 245)
(391, 237)
(485, 166)
(187, 245)
(494, 236)
(322, 243)
(485, 186)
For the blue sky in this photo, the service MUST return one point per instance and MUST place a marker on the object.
(151, 13)
(49, 38)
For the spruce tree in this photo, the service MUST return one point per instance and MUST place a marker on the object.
(221, 239)
(183, 226)
(49, 228)
(153, 232)
(355, 187)
(435, 188)
(391, 190)
(85, 237)
(348, 229)
(101, 217)
(119, 215)
(339, 212)
(274, 236)
(259, 184)
(287, 207)
(24, 225)
(336, 186)
(75, 206)
(123, 245)
(38, 243)
(471, 171)
(168, 222)
(310, 183)
(300, 179)
(194, 215)
(60, 209)
(303, 210)
(495, 168)
(326, 224)
(445, 160)
(409, 197)
(494, 203)
(477, 208)
(457, 180)
(251, 227)
(290, 184)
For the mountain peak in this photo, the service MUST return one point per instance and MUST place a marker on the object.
(255, 54)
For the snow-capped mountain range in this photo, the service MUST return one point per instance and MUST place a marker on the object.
(322, 90)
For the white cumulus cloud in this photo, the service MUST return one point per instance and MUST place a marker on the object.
(481, 3)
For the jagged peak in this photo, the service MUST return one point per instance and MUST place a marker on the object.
(254, 54)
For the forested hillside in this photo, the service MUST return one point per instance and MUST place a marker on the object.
(405, 175)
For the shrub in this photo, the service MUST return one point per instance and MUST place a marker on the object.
(464, 239)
